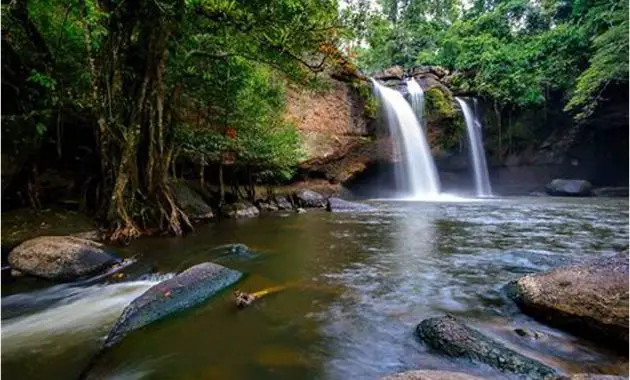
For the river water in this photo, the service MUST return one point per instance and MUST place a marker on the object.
(357, 284)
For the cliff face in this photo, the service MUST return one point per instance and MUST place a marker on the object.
(338, 136)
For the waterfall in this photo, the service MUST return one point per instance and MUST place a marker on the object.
(417, 175)
(417, 100)
(478, 154)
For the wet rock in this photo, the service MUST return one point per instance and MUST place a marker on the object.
(266, 206)
(240, 210)
(300, 210)
(430, 375)
(569, 187)
(611, 192)
(192, 203)
(529, 333)
(189, 288)
(591, 299)
(282, 202)
(452, 338)
(339, 205)
(308, 198)
(60, 258)
(594, 376)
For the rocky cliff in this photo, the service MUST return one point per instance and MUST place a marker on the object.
(339, 137)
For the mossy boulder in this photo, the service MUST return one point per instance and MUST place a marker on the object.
(439, 104)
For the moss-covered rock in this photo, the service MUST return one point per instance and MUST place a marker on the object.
(439, 104)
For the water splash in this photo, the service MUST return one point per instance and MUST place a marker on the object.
(76, 314)
(416, 94)
(480, 167)
(417, 175)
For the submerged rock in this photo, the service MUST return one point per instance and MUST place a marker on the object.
(240, 210)
(189, 288)
(60, 258)
(337, 205)
(611, 192)
(232, 251)
(430, 375)
(192, 203)
(309, 198)
(569, 187)
(452, 338)
(590, 298)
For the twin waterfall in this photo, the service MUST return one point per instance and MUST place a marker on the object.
(417, 175)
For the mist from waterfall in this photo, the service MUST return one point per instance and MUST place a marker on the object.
(416, 95)
(477, 152)
(417, 175)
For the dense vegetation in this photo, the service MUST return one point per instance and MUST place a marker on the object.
(122, 93)
(126, 87)
(518, 55)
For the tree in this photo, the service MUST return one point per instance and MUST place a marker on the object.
(123, 67)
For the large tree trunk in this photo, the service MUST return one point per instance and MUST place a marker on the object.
(135, 138)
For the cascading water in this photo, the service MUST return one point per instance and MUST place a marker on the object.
(416, 94)
(418, 174)
(478, 154)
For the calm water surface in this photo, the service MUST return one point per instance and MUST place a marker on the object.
(357, 285)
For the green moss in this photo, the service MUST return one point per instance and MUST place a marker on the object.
(439, 104)
(365, 92)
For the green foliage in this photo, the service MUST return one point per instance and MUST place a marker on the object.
(514, 52)
(245, 119)
(609, 63)
(438, 104)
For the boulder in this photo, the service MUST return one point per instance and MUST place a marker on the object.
(239, 210)
(189, 288)
(300, 210)
(453, 338)
(266, 206)
(339, 205)
(569, 188)
(60, 258)
(611, 192)
(430, 375)
(309, 198)
(591, 298)
(282, 202)
(192, 202)
(394, 72)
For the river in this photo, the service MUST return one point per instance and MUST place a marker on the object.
(357, 285)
